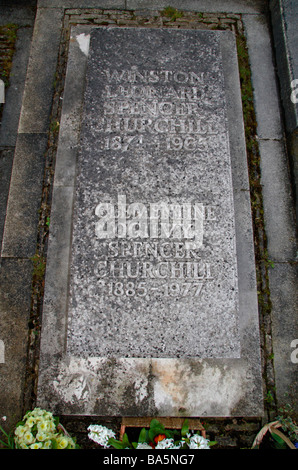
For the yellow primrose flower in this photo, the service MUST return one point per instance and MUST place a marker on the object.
(19, 431)
(43, 426)
(47, 445)
(30, 421)
(51, 426)
(36, 445)
(28, 437)
(23, 446)
(42, 436)
(62, 442)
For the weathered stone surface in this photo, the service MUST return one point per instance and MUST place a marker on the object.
(156, 276)
(20, 229)
(147, 349)
(15, 297)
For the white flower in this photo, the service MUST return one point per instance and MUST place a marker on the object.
(43, 426)
(36, 445)
(198, 442)
(28, 437)
(41, 436)
(165, 444)
(30, 421)
(51, 426)
(19, 431)
(143, 445)
(100, 434)
(47, 444)
(23, 446)
(62, 442)
(168, 444)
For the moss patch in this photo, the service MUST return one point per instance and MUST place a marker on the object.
(263, 263)
(172, 13)
(8, 37)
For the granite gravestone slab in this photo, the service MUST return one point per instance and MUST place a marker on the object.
(154, 271)
(150, 305)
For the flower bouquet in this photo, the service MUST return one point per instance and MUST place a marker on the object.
(39, 429)
(156, 437)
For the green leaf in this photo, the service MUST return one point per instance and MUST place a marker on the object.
(54, 444)
(116, 444)
(155, 423)
(185, 428)
(34, 430)
(157, 430)
(20, 423)
(212, 443)
(151, 434)
(125, 441)
(4, 443)
(143, 435)
(2, 430)
(279, 442)
(168, 433)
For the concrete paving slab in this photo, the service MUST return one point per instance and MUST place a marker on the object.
(39, 88)
(108, 4)
(284, 14)
(263, 77)
(278, 202)
(283, 286)
(228, 6)
(14, 93)
(284, 19)
(6, 160)
(20, 13)
(15, 303)
(279, 212)
(15, 274)
(21, 225)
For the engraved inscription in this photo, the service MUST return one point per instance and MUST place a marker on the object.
(165, 118)
(144, 225)
(153, 267)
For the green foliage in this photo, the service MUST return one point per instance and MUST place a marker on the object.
(124, 444)
(269, 397)
(39, 266)
(288, 423)
(8, 443)
(184, 429)
(271, 436)
(9, 33)
(279, 443)
(54, 127)
(157, 436)
(172, 13)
